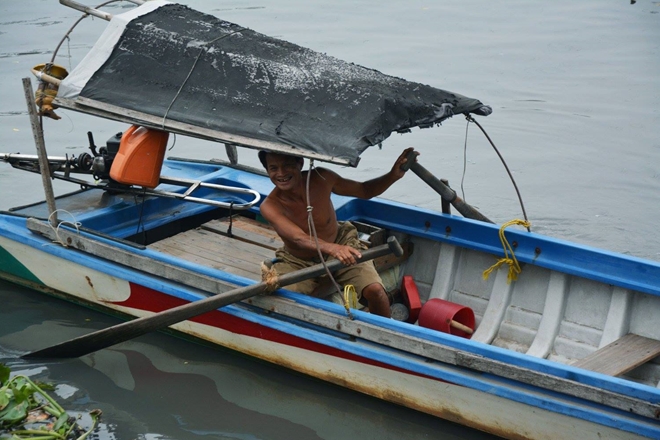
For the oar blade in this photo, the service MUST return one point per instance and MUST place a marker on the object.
(125, 331)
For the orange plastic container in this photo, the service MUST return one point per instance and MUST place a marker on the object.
(140, 157)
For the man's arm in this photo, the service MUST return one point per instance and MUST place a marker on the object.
(374, 187)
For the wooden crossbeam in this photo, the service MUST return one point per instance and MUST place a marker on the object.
(621, 356)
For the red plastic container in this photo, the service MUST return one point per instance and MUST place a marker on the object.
(410, 296)
(140, 157)
(437, 314)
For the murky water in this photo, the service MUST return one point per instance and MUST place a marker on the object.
(575, 91)
(161, 387)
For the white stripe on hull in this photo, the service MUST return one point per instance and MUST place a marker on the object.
(68, 277)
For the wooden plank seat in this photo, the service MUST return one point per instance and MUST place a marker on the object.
(622, 355)
(254, 232)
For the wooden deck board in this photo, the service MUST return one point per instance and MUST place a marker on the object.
(214, 263)
(218, 244)
(209, 246)
(251, 243)
(248, 230)
(622, 355)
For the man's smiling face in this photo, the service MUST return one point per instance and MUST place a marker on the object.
(284, 171)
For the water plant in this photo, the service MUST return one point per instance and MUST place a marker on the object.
(28, 412)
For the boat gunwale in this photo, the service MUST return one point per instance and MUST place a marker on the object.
(621, 270)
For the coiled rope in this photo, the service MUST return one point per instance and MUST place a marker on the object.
(270, 277)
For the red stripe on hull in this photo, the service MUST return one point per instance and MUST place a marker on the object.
(146, 299)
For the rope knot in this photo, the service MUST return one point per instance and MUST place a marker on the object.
(509, 257)
(269, 276)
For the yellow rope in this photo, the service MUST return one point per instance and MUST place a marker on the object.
(514, 266)
(350, 297)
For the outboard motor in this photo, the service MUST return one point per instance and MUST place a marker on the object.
(102, 160)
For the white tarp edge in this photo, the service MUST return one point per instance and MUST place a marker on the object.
(75, 82)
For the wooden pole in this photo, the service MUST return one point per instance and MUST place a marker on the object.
(86, 9)
(232, 153)
(446, 206)
(38, 133)
(442, 189)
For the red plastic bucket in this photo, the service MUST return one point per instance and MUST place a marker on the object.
(438, 314)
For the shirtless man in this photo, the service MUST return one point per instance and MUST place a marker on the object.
(286, 210)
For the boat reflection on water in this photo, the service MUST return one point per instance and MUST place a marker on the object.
(160, 387)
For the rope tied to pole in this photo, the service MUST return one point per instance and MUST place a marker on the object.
(270, 277)
(509, 256)
(75, 223)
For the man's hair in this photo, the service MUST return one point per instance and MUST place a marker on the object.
(262, 158)
(263, 153)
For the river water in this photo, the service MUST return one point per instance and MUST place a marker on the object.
(574, 87)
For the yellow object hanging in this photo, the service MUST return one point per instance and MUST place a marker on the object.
(50, 76)
(350, 297)
(514, 266)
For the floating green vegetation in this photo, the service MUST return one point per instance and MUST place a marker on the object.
(28, 412)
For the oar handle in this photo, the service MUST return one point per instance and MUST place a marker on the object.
(445, 192)
(410, 159)
(392, 246)
(104, 338)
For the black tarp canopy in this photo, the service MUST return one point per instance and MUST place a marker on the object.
(177, 64)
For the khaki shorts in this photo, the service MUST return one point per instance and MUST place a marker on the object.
(360, 275)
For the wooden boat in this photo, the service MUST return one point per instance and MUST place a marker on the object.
(569, 349)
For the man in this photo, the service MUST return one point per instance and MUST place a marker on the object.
(286, 209)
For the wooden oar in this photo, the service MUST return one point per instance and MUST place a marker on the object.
(100, 339)
(445, 192)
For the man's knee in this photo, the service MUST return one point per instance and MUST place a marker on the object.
(377, 299)
(374, 291)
